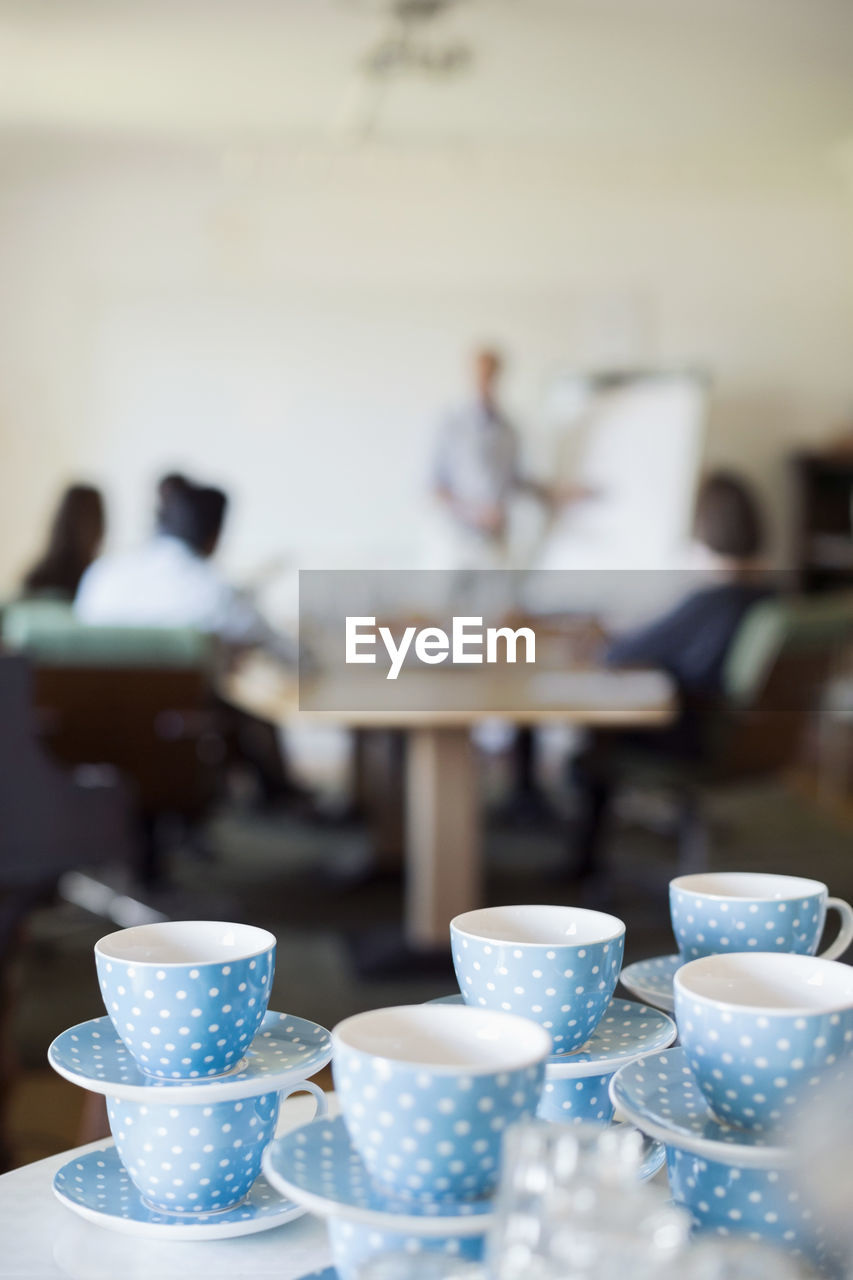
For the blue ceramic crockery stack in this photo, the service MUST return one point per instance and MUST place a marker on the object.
(428, 1091)
(765, 1025)
(559, 966)
(193, 1068)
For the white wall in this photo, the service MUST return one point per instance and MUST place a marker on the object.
(289, 326)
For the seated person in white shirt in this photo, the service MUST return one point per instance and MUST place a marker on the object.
(173, 582)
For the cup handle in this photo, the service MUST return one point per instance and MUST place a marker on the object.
(845, 932)
(306, 1086)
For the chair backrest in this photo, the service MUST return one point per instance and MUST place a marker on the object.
(47, 822)
(137, 698)
(17, 720)
(777, 668)
(40, 614)
(48, 632)
(776, 631)
(153, 723)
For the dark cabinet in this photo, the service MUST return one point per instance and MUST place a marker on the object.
(823, 520)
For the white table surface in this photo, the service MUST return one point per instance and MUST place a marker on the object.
(41, 1238)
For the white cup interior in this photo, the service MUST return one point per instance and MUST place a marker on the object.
(539, 926)
(186, 942)
(446, 1037)
(755, 886)
(765, 982)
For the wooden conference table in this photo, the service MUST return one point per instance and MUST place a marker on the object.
(442, 818)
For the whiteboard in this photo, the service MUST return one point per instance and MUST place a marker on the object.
(635, 441)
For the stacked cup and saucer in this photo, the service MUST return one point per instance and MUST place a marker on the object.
(193, 1067)
(559, 966)
(718, 905)
(765, 1026)
(412, 1162)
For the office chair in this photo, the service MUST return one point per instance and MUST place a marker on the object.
(51, 824)
(136, 698)
(775, 673)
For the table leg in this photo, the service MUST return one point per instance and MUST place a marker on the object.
(443, 839)
(379, 787)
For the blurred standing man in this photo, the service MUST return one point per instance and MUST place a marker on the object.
(476, 473)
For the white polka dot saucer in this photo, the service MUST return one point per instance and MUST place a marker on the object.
(660, 1095)
(626, 1031)
(98, 1188)
(318, 1167)
(285, 1049)
(651, 980)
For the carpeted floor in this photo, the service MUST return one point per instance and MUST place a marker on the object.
(298, 880)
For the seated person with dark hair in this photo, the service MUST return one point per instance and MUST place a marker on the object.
(173, 582)
(74, 540)
(690, 643)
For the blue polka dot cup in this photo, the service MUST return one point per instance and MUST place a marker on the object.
(728, 911)
(197, 1157)
(556, 965)
(427, 1091)
(575, 1099)
(354, 1244)
(725, 1199)
(761, 1032)
(186, 997)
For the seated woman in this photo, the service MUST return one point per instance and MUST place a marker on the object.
(74, 540)
(172, 581)
(690, 643)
